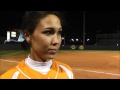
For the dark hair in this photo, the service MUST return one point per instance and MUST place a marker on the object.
(32, 18)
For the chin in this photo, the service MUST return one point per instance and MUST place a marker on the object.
(51, 56)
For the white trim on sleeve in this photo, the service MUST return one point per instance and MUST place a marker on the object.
(69, 73)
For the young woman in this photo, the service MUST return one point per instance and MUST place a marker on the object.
(42, 31)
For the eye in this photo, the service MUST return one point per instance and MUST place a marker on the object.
(60, 32)
(48, 33)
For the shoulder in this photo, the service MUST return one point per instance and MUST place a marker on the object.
(8, 74)
(64, 64)
(12, 72)
(67, 69)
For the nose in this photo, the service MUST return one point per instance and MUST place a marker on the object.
(56, 40)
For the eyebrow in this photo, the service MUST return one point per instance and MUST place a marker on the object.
(52, 28)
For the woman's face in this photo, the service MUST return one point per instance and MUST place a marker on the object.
(46, 39)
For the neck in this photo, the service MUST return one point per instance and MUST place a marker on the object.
(38, 58)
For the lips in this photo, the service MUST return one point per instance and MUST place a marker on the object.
(52, 51)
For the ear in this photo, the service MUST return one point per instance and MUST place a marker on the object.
(27, 36)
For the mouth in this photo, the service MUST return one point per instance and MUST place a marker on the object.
(52, 51)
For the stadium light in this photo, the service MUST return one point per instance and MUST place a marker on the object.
(76, 39)
(88, 39)
(117, 44)
(72, 40)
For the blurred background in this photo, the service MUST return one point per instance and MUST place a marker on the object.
(90, 29)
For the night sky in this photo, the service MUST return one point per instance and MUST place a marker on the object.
(95, 22)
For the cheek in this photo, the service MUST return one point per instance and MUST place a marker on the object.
(60, 40)
(40, 42)
(44, 42)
